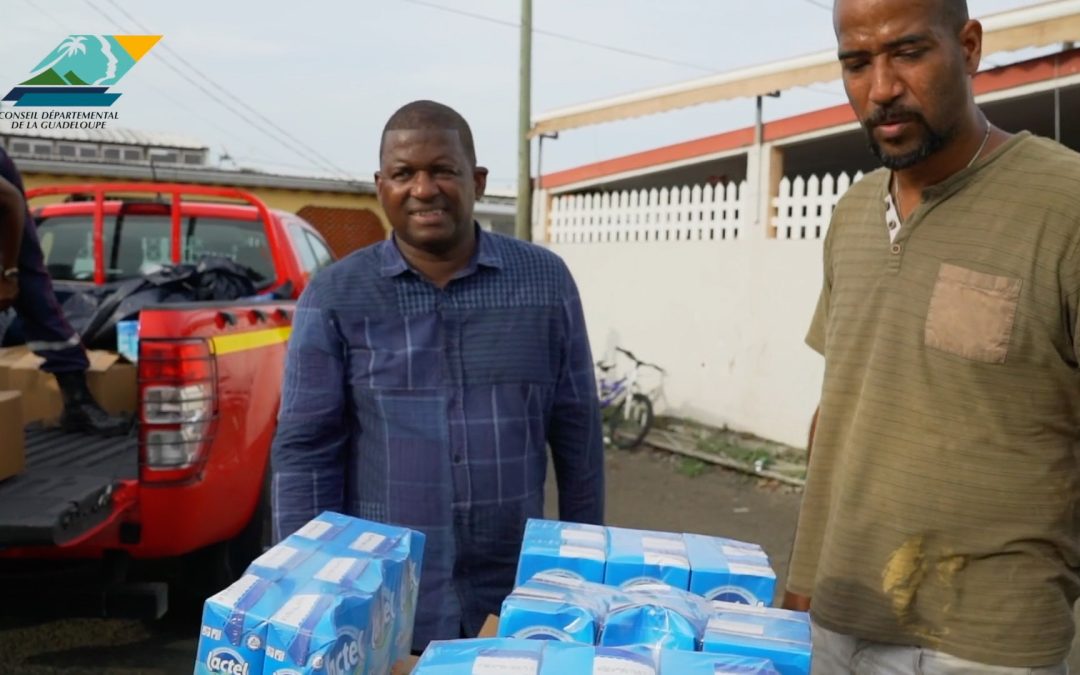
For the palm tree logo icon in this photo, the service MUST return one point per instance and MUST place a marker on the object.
(80, 70)
(71, 46)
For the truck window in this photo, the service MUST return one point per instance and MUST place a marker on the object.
(308, 261)
(143, 245)
(323, 257)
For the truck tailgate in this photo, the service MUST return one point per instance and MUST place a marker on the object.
(67, 487)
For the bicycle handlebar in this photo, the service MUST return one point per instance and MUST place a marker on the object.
(629, 354)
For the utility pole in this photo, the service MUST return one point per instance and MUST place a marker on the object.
(523, 225)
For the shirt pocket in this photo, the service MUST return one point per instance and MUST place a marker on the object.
(972, 313)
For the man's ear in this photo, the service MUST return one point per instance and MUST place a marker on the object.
(971, 38)
(480, 175)
(378, 186)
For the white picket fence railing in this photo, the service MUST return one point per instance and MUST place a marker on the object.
(700, 213)
(804, 206)
(802, 210)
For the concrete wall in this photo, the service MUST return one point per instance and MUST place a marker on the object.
(726, 319)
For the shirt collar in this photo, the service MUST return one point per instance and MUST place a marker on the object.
(487, 254)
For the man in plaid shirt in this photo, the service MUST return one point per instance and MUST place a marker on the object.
(427, 373)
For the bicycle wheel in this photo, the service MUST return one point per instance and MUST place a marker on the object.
(628, 424)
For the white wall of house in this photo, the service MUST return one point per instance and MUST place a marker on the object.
(698, 288)
(725, 319)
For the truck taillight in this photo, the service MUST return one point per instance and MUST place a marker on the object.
(178, 411)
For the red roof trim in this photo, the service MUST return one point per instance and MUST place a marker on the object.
(1015, 75)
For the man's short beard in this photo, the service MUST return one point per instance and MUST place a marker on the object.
(932, 142)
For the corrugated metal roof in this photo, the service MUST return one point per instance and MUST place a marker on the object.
(192, 174)
(114, 136)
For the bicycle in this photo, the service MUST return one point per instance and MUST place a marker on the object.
(627, 409)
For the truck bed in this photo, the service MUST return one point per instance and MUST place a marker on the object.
(66, 488)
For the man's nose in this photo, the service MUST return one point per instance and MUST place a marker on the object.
(423, 186)
(885, 86)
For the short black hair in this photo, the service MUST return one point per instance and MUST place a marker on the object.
(425, 114)
(954, 13)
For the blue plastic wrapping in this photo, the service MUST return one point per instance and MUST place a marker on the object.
(573, 549)
(673, 662)
(555, 607)
(638, 556)
(656, 615)
(728, 570)
(779, 635)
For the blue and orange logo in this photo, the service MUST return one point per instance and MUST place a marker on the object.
(80, 71)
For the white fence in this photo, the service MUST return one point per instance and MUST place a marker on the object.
(804, 206)
(701, 213)
(725, 319)
(802, 210)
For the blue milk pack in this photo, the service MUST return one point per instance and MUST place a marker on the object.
(781, 636)
(127, 339)
(658, 616)
(401, 554)
(555, 607)
(637, 556)
(723, 569)
(577, 659)
(325, 630)
(491, 656)
(325, 528)
(286, 558)
(234, 626)
(570, 548)
(698, 663)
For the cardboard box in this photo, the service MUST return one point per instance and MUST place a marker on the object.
(12, 452)
(114, 384)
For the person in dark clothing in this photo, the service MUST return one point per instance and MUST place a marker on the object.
(25, 286)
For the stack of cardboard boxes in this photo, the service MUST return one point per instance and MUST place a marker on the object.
(12, 453)
(28, 394)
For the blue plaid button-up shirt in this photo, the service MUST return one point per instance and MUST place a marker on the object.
(406, 404)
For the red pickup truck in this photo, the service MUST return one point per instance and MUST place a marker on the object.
(190, 483)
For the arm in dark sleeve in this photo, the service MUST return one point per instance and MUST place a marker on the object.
(574, 432)
(12, 223)
(310, 448)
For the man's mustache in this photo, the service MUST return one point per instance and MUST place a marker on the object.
(893, 115)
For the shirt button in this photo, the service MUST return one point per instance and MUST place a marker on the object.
(458, 459)
(892, 226)
(896, 249)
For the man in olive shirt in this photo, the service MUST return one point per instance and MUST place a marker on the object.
(940, 530)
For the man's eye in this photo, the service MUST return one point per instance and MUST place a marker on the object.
(854, 66)
(401, 174)
(910, 54)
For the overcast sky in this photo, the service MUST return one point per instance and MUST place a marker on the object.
(329, 73)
